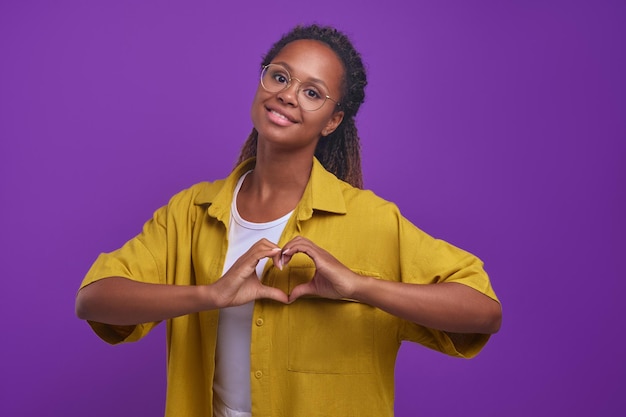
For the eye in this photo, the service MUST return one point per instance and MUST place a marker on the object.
(311, 92)
(280, 77)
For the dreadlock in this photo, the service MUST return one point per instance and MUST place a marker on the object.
(339, 152)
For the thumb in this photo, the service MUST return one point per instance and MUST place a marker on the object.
(301, 290)
(273, 294)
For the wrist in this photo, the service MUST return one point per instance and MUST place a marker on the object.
(364, 285)
(206, 297)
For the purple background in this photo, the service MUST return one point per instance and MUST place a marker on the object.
(498, 126)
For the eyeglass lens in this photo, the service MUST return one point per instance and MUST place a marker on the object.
(275, 78)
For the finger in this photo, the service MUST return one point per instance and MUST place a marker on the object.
(273, 294)
(262, 253)
(249, 260)
(276, 257)
(298, 247)
(285, 257)
(262, 245)
(301, 290)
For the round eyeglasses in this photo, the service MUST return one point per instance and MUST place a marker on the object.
(311, 96)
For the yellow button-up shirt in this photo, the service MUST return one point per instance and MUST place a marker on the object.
(315, 357)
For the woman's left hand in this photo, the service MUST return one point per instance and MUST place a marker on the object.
(448, 306)
(332, 279)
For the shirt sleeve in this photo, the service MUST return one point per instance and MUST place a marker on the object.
(142, 259)
(426, 260)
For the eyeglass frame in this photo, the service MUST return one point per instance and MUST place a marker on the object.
(265, 67)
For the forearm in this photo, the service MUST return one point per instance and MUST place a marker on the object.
(121, 301)
(450, 307)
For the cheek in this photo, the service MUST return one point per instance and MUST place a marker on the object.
(257, 104)
(256, 99)
(324, 119)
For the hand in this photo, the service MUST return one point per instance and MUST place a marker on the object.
(240, 284)
(331, 280)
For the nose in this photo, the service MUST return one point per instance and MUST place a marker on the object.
(290, 94)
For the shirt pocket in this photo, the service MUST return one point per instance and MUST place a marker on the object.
(329, 336)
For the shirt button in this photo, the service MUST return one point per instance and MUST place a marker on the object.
(259, 322)
(258, 374)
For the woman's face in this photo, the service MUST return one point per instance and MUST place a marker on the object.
(278, 117)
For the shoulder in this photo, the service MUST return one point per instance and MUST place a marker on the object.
(331, 194)
(199, 194)
(367, 201)
(187, 204)
(375, 214)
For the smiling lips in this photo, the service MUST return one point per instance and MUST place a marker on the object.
(280, 118)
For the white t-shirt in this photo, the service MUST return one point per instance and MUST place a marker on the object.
(231, 385)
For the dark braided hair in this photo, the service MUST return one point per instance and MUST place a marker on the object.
(340, 151)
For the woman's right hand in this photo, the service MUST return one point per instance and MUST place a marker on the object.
(240, 284)
(121, 301)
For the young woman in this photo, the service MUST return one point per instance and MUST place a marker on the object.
(287, 289)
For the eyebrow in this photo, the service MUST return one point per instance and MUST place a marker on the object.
(312, 79)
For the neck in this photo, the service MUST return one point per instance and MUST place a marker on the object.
(277, 171)
(273, 188)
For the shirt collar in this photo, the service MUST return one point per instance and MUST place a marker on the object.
(323, 192)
